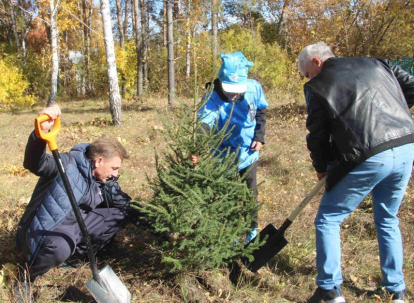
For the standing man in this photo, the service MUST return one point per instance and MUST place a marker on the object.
(241, 100)
(360, 135)
(48, 233)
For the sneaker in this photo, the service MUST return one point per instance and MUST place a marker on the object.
(398, 296)
(74, 261)
(251, 235)
(333, 295)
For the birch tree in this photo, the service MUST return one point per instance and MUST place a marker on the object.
(13, 18)
(54, 50)
(114, 96)
(170, 47)
(214, 27)
(188, 41)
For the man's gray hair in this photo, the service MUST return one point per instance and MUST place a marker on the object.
(318, 50)
(106, 148)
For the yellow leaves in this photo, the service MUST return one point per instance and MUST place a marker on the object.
(16, 170)
(353, 278)
(13, 87)
(122, 140)
(8, 271)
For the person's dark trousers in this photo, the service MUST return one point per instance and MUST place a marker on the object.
(251, 182)
(65, 240)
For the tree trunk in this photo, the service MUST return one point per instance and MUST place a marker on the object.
(170, 46)
(214, 27)
(55, 57)
(164, 23)
(16, 35)
(114, 96)
(145, 67)
(90, 84)
(188, 42)
(121, 41)
(144, 40)
(138, 43)
(125, 27)
(120, 25)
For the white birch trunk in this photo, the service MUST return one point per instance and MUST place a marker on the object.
(188, 42)
(114, 96)
(55, 57)
(214, 27)
(170, 47)
(16, 35)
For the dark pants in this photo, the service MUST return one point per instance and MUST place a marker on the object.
(65, 240)
(251, 182)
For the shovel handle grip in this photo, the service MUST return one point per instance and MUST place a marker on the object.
(49, 137)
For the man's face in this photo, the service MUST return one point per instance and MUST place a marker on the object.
(231, 96)
(312, 69)
(106, 168)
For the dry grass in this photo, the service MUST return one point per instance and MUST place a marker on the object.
(288, 176)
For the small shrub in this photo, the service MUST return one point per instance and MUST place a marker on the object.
(13, 87)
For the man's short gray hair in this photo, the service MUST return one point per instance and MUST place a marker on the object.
(106, 148)
(318, 50)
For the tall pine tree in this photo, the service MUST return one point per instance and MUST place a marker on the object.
(207, 206)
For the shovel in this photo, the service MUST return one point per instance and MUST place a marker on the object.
(105, 286)
(276, 237)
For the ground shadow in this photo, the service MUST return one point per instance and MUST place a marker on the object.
(74, 294)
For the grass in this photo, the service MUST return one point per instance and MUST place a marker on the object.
(287, 175)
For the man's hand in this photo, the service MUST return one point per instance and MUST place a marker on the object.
(320, 175)
(172, 238)
(53, 112)
(194, 158)
(256, 145)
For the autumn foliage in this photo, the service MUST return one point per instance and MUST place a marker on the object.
(269, 32)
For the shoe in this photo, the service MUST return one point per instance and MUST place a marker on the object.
(398, 296)
(251, 235)
(74, 261)
(333, 295)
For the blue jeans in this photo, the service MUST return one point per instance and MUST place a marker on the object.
(386, 176)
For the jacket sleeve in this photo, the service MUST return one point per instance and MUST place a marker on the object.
(260, 129)
(318, 139)
(119, 198)
(36, 160)
(406, 81)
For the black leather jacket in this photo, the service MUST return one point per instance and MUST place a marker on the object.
(357, 107)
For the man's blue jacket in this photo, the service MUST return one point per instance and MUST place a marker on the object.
(49, 205)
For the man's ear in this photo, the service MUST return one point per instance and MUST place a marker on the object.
(98, 161)
(318, 61)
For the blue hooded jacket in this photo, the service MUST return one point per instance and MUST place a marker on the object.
(243, 120)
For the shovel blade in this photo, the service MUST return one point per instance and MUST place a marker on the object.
(113, 290)
(274, 243)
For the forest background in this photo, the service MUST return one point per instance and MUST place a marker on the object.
(49, 48)
(165, 51)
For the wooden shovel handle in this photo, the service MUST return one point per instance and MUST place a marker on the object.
(307, 199)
